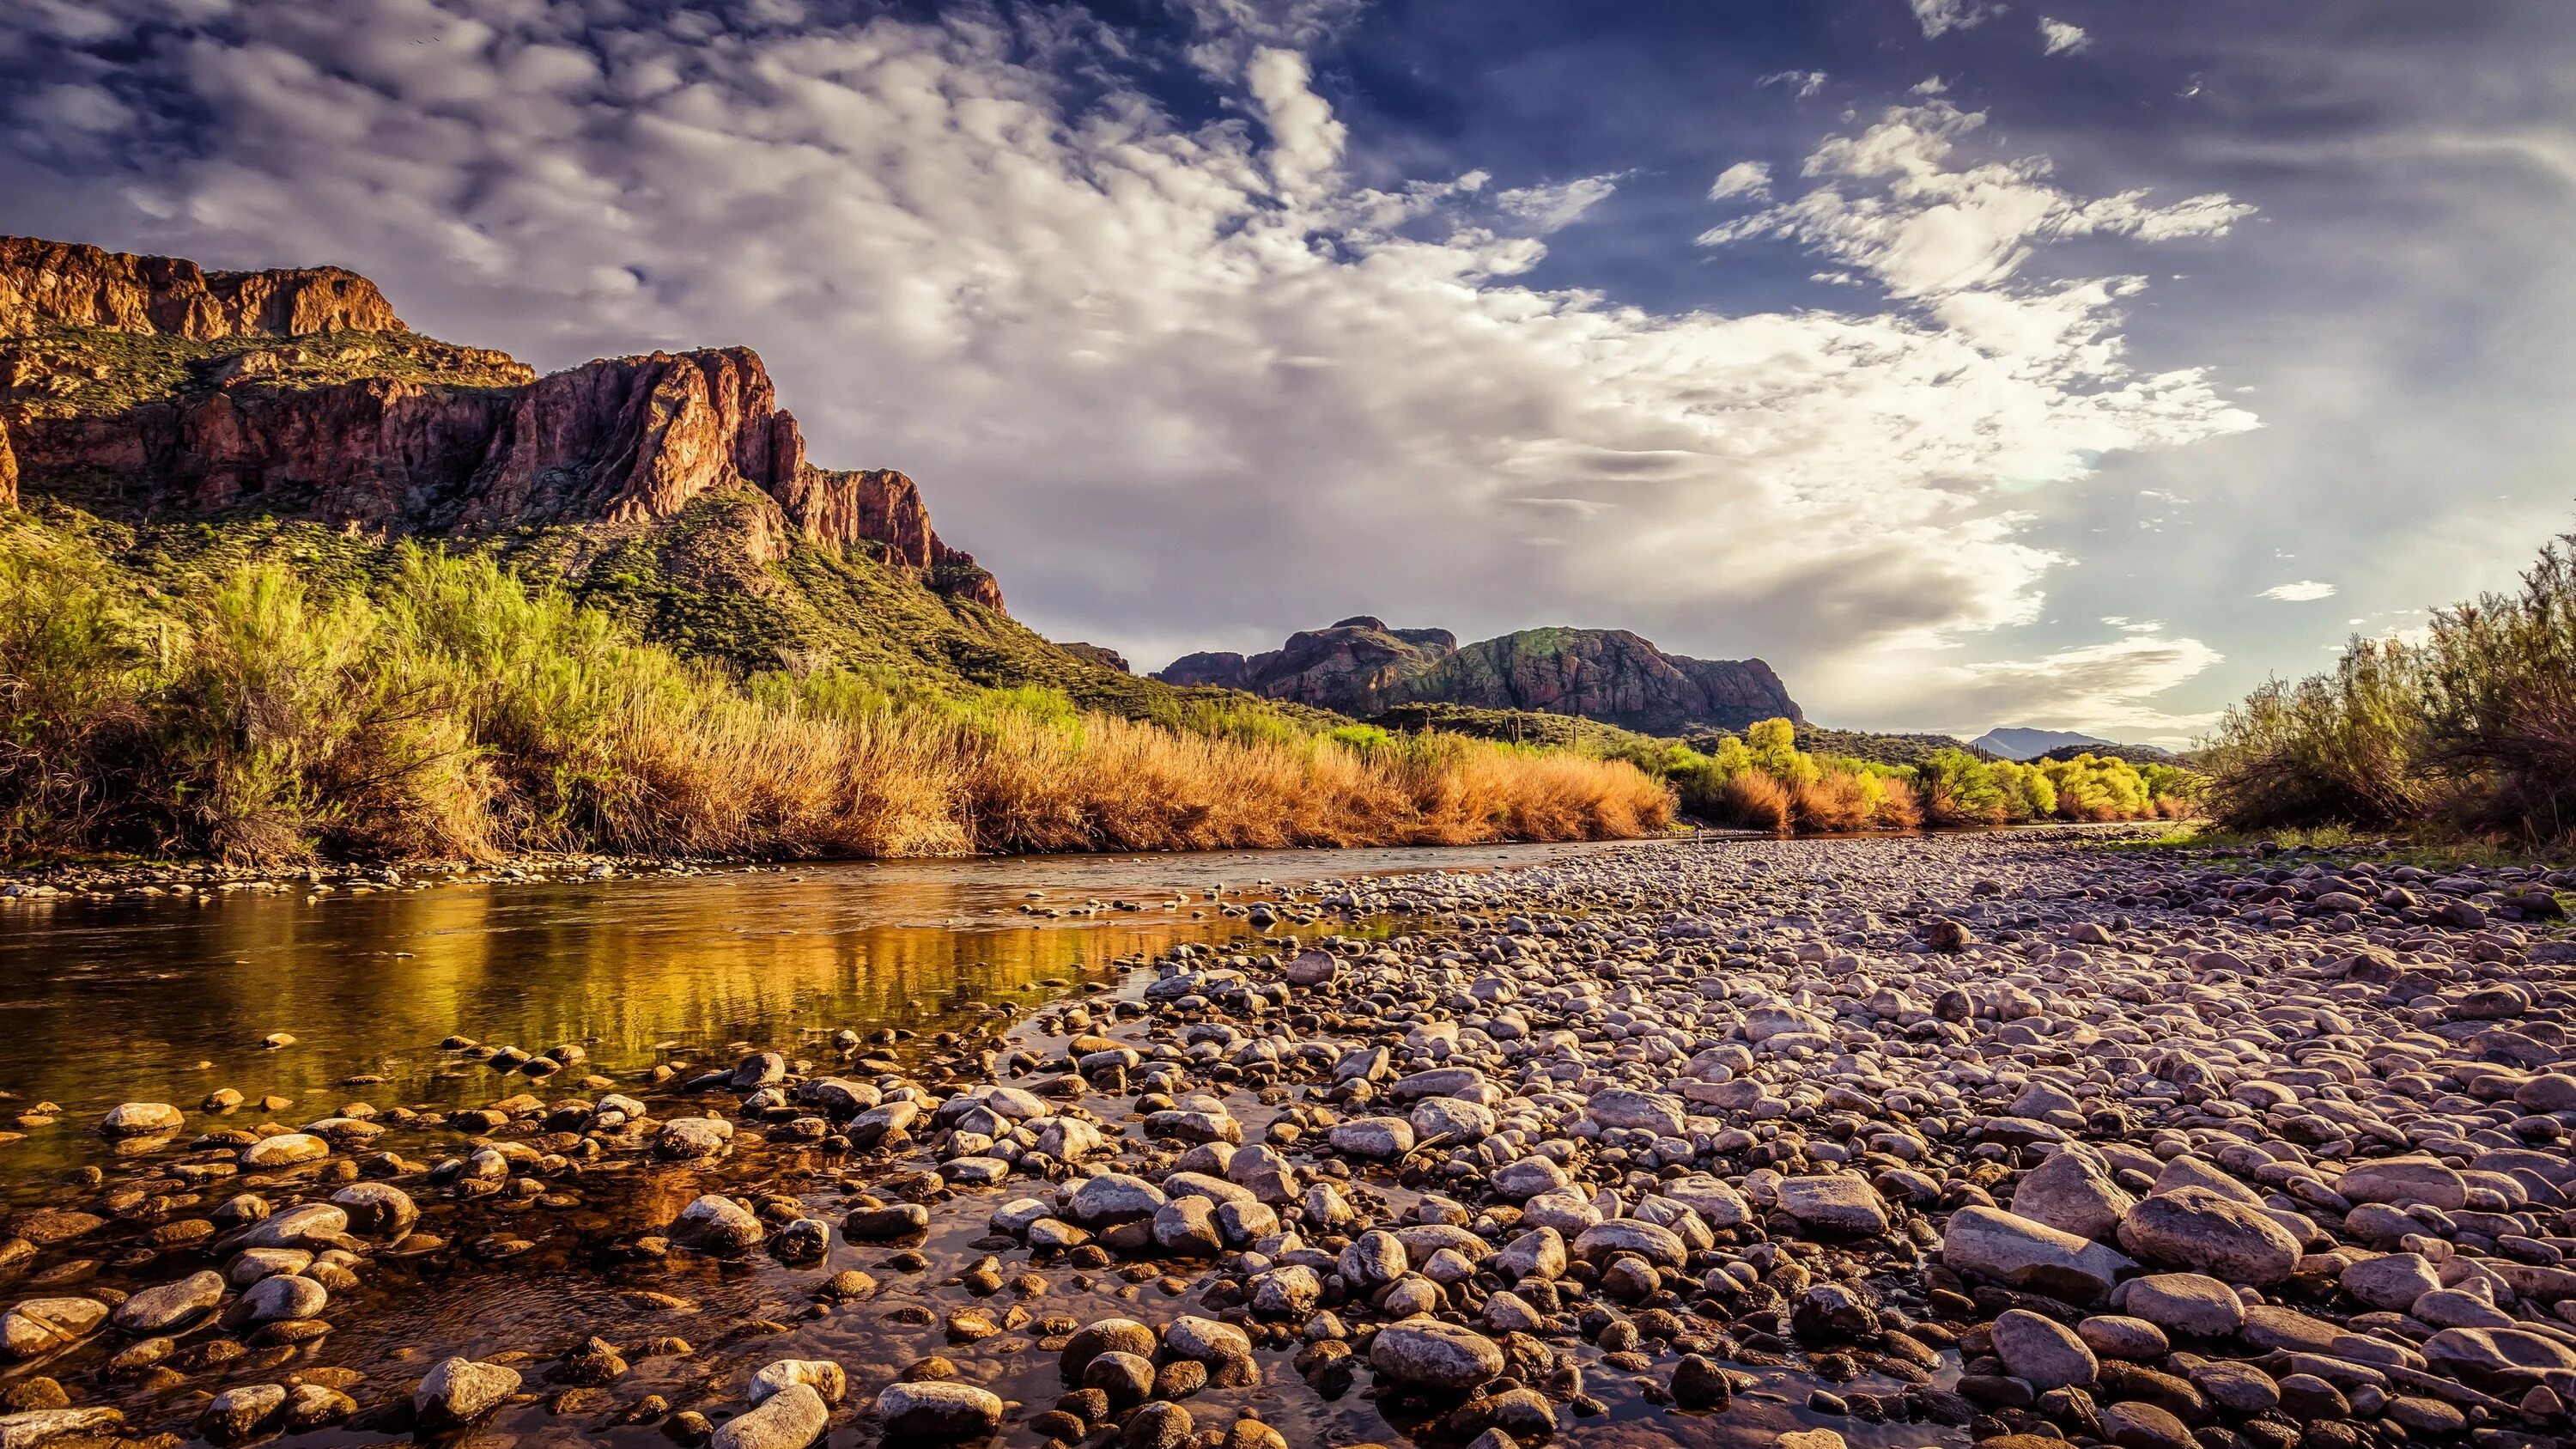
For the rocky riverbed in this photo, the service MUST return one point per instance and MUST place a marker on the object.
(1994, 1138)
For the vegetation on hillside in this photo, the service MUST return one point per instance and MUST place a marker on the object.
(390, 701)
(2471, 729)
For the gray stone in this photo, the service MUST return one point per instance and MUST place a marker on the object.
(790, 1418)
(2020, 1253)
(2042, 1351)
(1426, 1353)
(2198, 1229)
(1840, 1202)
(2072, 1194)
(171, 1306)
(458, 1391)
(2192, 1303)
(716, 1224)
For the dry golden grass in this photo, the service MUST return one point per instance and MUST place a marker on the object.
(457, 713)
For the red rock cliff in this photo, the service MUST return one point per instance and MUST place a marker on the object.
(402, 432)
(86, 286)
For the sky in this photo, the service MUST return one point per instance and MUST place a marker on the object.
(2075, 364)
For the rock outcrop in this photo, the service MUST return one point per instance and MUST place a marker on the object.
(1354, 667)
(1100, 654)
(402, 433)
(1361, 667)
(86, 286)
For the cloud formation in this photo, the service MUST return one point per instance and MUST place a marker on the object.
(1893, 204)
(1940, 17)
(1744, 178)
(1186, 383)
(2304, 591)
(2057, 37)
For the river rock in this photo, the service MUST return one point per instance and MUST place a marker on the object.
(39, 1326)
(790, 1418)
(171, 1306)
(1377, 1137)
(1427, 1353)
(2021, 1253)
(2042, 1351)
(2071, 1193)
(458, 1391)
(939, 1411)
(278, 1299)
(377, 1209)
(2405, 1181)
(285, 1150)
(1840, 1202)
(1113, 1197)
(35, 1428)
(236, 1414)
(2391, 1282)
(2198, 1229)
(716, 1224)
(2191, 1303)
(1640, 1111)
(142, 1119)
(1108, 1335)
(306, 1225)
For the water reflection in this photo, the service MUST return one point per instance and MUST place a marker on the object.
(164, 1000)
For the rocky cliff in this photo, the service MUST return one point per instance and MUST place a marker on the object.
(1352, 667)
(146, 385)
(84, 286)
(1361, 667)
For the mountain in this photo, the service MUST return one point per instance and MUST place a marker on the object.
(1361, 667)
(150, 386)
(2016, 743)
(196, 420)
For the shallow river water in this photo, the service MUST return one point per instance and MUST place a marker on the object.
(168, 999)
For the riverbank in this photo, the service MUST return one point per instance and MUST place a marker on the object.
(1918, 1140)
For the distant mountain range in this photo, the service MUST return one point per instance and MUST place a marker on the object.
(1361, 667)
(2017, 743)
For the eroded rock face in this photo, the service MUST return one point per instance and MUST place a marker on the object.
(85, 286)
(1361, 667)
(453, 438)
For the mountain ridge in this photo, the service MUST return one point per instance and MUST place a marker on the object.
(1361, 667)
(2019, 742)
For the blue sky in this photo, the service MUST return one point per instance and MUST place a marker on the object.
(2072, 364)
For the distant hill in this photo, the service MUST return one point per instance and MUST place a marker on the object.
(1361, 667)
(2015, 743)
(1880, 749)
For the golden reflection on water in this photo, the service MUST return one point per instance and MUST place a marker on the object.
(107, 1003)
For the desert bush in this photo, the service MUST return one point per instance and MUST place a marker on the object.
(2470, 729)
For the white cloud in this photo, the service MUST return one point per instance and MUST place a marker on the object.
(1744, 178)
(2304, 591)
(1164, 375)
(1893, 204)
(1939, 17)
(2057, 37)
(2108, 688)
(1305, 139)
(1551, 208)
(1805, 83)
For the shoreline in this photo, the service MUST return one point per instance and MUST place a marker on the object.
(1797, 1138)
(147, 878)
